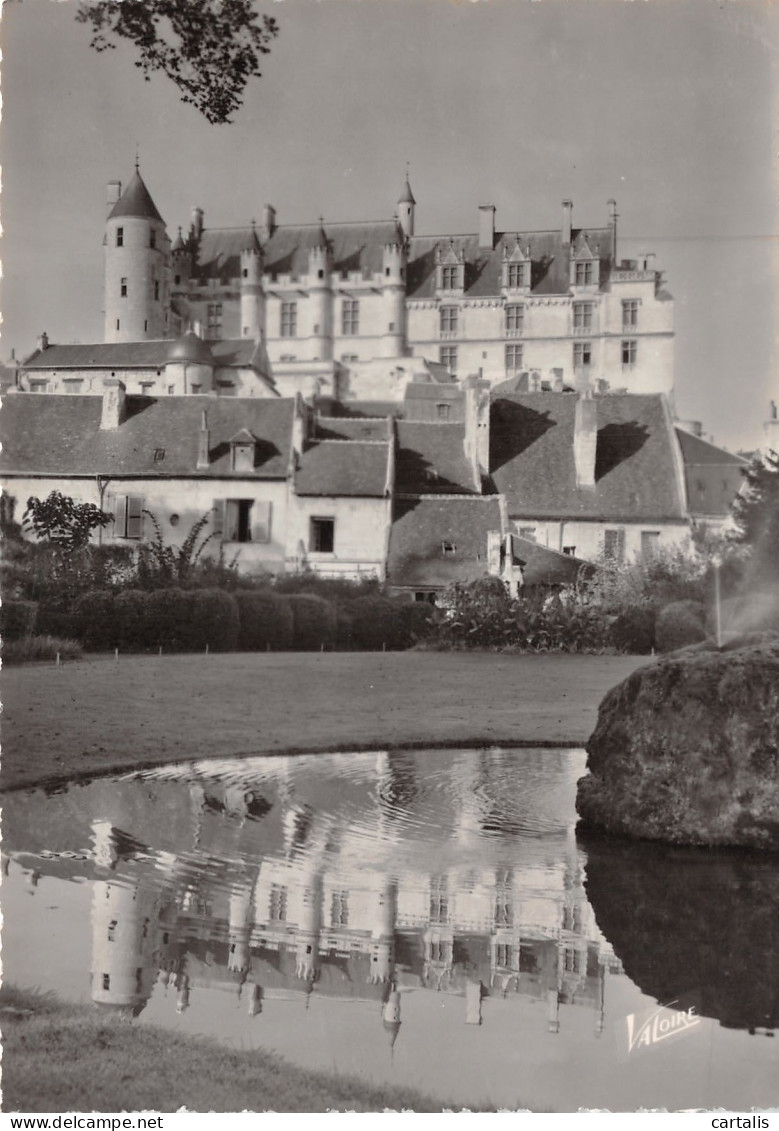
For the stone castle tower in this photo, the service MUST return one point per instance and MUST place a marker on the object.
(137, 283)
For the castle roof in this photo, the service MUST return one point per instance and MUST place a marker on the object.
(50, 434)
(226, 353)
(351, 468)
(550, 258)
(136, 201)
(407, 196)
(435, 541)
(637, 468)
(190, 348)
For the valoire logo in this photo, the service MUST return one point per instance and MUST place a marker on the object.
(648, 1029)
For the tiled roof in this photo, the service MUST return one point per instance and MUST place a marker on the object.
(128, 355)
(355, 247)
(344, 467)
(48, 434)
(366, 410)
(337, 428)
(136, 201)
(542, 566)
(713, 477)
(431, 460)
(421, 527)
(484, 268)
(532, 461)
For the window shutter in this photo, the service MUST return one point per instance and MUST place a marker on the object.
(261, 525)
(120, 525)
(231, 517)
(134, 516)
(217, 517)
(621, 544)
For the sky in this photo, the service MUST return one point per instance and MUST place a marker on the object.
(669, 106)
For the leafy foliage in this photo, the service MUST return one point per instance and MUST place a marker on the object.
(208, 48)
(60, 520)
(756, 512)
(160, 566)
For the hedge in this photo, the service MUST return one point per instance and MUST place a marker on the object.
(314, 622)
(266, 621)
(176, 619)
(679, 624)
(17, 619)
(96, 619)
(634, 631)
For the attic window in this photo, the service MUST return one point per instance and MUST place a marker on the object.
(159, 455)
(448, 548)
(243, 457)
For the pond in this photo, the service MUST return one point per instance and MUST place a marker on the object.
(424, 918)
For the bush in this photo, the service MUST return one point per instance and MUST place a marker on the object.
(136, 630)
(266, 621)
(96, 618)
(679, 624)
(33, 649)
(314, 622)
(414, 621)
(633, 631)
(17, 619)
(52, 620)
(215, 620)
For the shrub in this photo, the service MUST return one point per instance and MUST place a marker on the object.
(634, 631)
(266, 621)
(314, 622)
(52, 620)
(32, 649)
(170, 614)
(413, 621)
(135, 628)
(17, 619)
(372, 623)
(679, 624)
(96, 617)
(215, 620)
(329, 588)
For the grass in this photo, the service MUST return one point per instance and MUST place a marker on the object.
(60, 1058)
(34, 649)
(102, 714)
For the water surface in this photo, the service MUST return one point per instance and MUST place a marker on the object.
(427, 918)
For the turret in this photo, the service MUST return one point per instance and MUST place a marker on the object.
(190, 365)
(137, 266)
(406, 204)
(252, 300)
(239, 930)
(393, 297)
(309, 925)
(321, 298)
(123, 971)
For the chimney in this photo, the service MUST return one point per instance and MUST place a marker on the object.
(269, 220)
(477, 427)
(487, 226)
(113, 191)
(197, 327)
(197, 222)
(203, 443)
(113, 403)
(494, 544)
(565, 232)
(43, 341)
(585, 440)
(612, 206)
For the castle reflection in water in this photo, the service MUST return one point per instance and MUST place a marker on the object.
(365, 886)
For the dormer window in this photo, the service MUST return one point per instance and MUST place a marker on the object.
(516, 267)
(585, 262)
(243, 452)
(450, 268)
(584, 273)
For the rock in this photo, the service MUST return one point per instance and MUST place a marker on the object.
(686, 750)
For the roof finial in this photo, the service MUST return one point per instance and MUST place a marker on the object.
(137, 156)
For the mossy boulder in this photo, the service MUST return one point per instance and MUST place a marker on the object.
(686, 750)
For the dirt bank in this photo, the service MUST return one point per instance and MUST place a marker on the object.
(102, 714)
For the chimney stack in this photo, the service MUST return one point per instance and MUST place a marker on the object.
(269, 220)
(203, 443)
(197, 222)
(585, 439)
(567, 221)
(113, 191)
(114, 412)
(477, 427)
(43, 341)
(487, 226)
(612, 206)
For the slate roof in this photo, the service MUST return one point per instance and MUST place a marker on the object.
(431, 460)
(713, 477)
(354, 247)
(550, 272)
(543, 566)
(340, 428)
(49, 434)
(421, 526)
(532, 461)
(129, 355)
(136, 201)
(345, 468)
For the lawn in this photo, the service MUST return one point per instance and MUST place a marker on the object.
(102, 714)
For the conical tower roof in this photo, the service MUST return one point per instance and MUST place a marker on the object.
(136, 201)
(407, 196)
(190, 348)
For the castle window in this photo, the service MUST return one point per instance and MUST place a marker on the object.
(112, 930)
(448, 319)
(128, 516)
(629, 353)
(442, 411)
(582, 355)
(518, 275)
(503, 955)
(156, 290)
(106, 981)
(145, 324)
(339, 909)
(515, 320)
(448, 548)
(449, 278)
(391, 327)
(214, 320)
(177, 279)
(350, 317)
(289, 319)
(123, 287)
(120, 237)
(447, 355)
(439, 900)
(629, 314)
(159, 453)
(320, 274)
(582, 317)
(584, 274)
(349, 357)
(514, 353)
(277, 910)
(322, 535)
(117, 323)
(152, 237)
